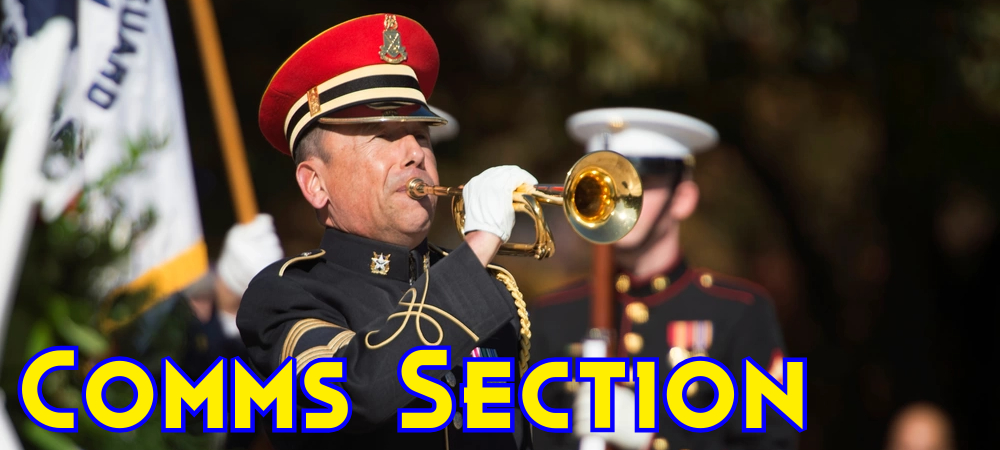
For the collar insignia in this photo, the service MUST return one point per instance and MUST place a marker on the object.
(392, 50)
(380, 263)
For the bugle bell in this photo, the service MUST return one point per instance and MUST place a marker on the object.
(602, 198)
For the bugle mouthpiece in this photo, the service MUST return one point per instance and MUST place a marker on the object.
(415, 188)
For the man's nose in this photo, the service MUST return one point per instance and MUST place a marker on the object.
(413, 152)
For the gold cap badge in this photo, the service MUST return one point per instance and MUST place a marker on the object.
(392, 50)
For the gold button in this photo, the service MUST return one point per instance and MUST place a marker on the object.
(633, 343)
(660, 283)
(623, 284)
(706, 280)
(637, 312)
(660, 444)
(676, 355)
(571, 386)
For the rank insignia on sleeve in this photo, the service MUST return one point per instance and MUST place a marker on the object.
(380, 264)
(392, 50)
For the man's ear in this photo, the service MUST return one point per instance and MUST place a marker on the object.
(685, 200)
(309, 174)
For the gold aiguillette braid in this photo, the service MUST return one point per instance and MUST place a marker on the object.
(524, 355)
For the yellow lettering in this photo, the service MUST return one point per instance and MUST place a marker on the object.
(143, 394)
(179, 396)
(788, 400)
(338, 410)
(601, 374)
(645, 391)
(29, 387)
(435, 392)
(277, 393)
(681, 378)
(540, 374)
(476, 395)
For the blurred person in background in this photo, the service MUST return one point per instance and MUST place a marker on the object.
(215, 299)
(446, 132)
(212, 301)
(209, 306)
(920, 426)
(665, 308)
(350, 108)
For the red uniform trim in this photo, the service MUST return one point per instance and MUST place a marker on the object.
(741, 283)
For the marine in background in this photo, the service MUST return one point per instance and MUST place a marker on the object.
(664, 307)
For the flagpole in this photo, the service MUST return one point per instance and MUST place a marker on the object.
(599, 341)
(601, 313)
(224, 109)
(36, 69)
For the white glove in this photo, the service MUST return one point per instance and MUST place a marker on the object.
(624, 437)
(488, 199)
(248, 249)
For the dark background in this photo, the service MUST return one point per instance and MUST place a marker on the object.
(857, 177)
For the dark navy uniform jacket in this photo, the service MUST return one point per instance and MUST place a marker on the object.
(365, 301)
(678, 314)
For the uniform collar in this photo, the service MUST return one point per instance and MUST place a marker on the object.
(626, 283)
(375, 258)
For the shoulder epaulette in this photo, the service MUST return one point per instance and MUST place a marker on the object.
(304, 256)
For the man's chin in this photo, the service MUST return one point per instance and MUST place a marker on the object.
(414, 222)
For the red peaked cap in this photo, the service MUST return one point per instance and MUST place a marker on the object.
(353, 51)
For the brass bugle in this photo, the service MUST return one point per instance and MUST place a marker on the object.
(602, 198)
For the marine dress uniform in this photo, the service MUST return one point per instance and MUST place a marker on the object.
(367, 301)
(673, 315)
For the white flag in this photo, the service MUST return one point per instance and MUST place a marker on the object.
(125, 89)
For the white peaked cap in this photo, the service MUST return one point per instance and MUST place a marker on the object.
(446, 132)
(641, 132)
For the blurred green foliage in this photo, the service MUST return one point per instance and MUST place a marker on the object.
(980, 63)
(618, 47)
(62, 298)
